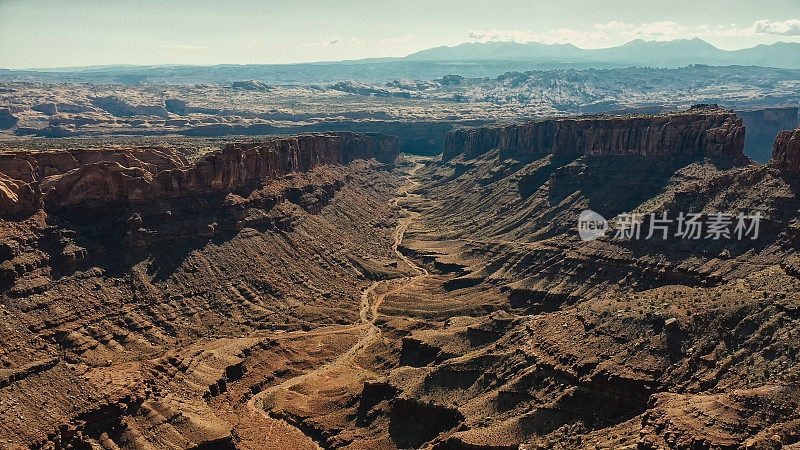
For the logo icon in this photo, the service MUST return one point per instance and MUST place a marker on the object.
(591, 225)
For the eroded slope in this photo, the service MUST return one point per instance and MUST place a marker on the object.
(123, 312)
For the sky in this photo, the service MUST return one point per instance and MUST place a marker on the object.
(55, 33)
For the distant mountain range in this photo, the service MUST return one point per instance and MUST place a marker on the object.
(681, 52)
(473, 60)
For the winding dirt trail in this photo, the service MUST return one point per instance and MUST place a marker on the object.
(368, 312)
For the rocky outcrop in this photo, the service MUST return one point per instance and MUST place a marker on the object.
(244, 165)
(36, 166)
(703, 130)
(786, 152)
(102, 181)
(122, 108)
(251, 85)
(140, 175)
(17, 196)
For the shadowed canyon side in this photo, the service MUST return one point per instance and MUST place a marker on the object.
(320, 291)
(762, 127)
(127, 306)
(685, 344)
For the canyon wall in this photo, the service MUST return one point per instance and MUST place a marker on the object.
(100, 286)
(786, 152)
(61, 179)
(703, 130)
(762, 126)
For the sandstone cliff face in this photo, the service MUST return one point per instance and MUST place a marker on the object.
(242, 165)
(786, 152)
(140, 175)
(700, 131)
(17, 196)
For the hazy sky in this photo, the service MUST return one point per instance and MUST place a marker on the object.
(42, 33)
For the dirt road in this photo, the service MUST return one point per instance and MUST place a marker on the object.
(368, 312)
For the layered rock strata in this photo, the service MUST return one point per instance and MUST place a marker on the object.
(786, 152)
(128, 309)
(703, 130)
(71, 178)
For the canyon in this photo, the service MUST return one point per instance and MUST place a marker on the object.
(326, 290)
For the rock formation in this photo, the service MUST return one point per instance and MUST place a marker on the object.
(251, 85)
(140, 175)
(704, 130)
(241, 165)
(635, 326)
(786, 152)
(17, 196)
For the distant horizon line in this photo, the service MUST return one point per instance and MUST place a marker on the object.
(379, 58)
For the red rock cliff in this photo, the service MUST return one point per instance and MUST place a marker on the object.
(70, 178)
(786, 152)
(700, 131)
(241, 165)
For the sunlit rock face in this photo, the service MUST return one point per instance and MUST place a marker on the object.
(704, 130)
(786, 152)
(141, 175)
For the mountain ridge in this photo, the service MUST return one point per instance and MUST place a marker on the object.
(471, 59)
(635, 52)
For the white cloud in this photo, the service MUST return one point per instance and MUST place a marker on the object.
(329, 43)
(613, 25)
(658, 31)
(789, 27)
(556, 36)
(500, 35)
(335, 42)
(565, 35)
